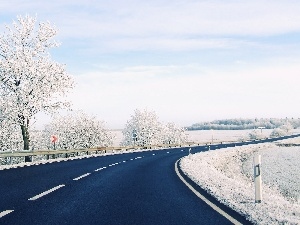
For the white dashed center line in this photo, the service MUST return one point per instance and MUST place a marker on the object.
(46, 192)
(82, 176)
(4, 213)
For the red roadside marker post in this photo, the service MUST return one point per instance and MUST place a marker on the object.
(53, 139)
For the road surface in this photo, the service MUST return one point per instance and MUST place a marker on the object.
(131, 188)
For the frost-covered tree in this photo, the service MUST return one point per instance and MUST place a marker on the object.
(282, 130)
(173, 134)
(256, 134)
(144, 128)
(287, 127)
(76, 131)
(277, 132)
(30, 81)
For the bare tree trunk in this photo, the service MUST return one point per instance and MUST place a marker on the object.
(26, 140)
(25, 135)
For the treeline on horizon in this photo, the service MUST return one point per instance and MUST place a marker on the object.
(245, 124)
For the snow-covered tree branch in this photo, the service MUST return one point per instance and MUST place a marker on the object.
(10, 136)
(30, 81)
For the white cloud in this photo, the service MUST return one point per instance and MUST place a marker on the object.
(178, 92)
(266, 91)
(83, 18)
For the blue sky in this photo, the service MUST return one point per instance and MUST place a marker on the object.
(189, 61)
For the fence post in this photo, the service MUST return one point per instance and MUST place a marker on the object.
(257, 178)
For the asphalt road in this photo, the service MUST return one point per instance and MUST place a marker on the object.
(142, 188)
(132, 188)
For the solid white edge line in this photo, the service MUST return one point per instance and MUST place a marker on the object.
(4, 213)
(82, 176)
(216, 208)
(46, 192)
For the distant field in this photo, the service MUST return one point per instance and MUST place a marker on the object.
(205, 136)
(217, 136)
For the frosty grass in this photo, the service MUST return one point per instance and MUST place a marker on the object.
(228, 175)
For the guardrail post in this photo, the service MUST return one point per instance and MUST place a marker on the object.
(28, 159)
(257, 178)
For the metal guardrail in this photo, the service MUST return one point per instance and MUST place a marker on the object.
(102, 150)
(24, 153)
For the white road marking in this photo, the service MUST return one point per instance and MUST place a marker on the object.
(46, 192)
(124, 161)
(131, 159)
(212, 205)
(182, 150)
(153, 154)
(82, 176)
(99, 169)
(168, 152)
(4, 213)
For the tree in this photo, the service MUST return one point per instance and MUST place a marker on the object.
(287, 127)
(173, 134)
(76, 131)
(144, 128)
(278, 132)
(282, 130)
(10, 137)
(256, 134)
(30, 81)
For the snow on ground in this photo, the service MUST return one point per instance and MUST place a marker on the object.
(228, 175)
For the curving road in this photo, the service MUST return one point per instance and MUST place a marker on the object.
(133, 188)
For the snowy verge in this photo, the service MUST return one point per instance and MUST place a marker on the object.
(227, 175)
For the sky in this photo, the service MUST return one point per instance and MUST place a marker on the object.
(188, 60)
